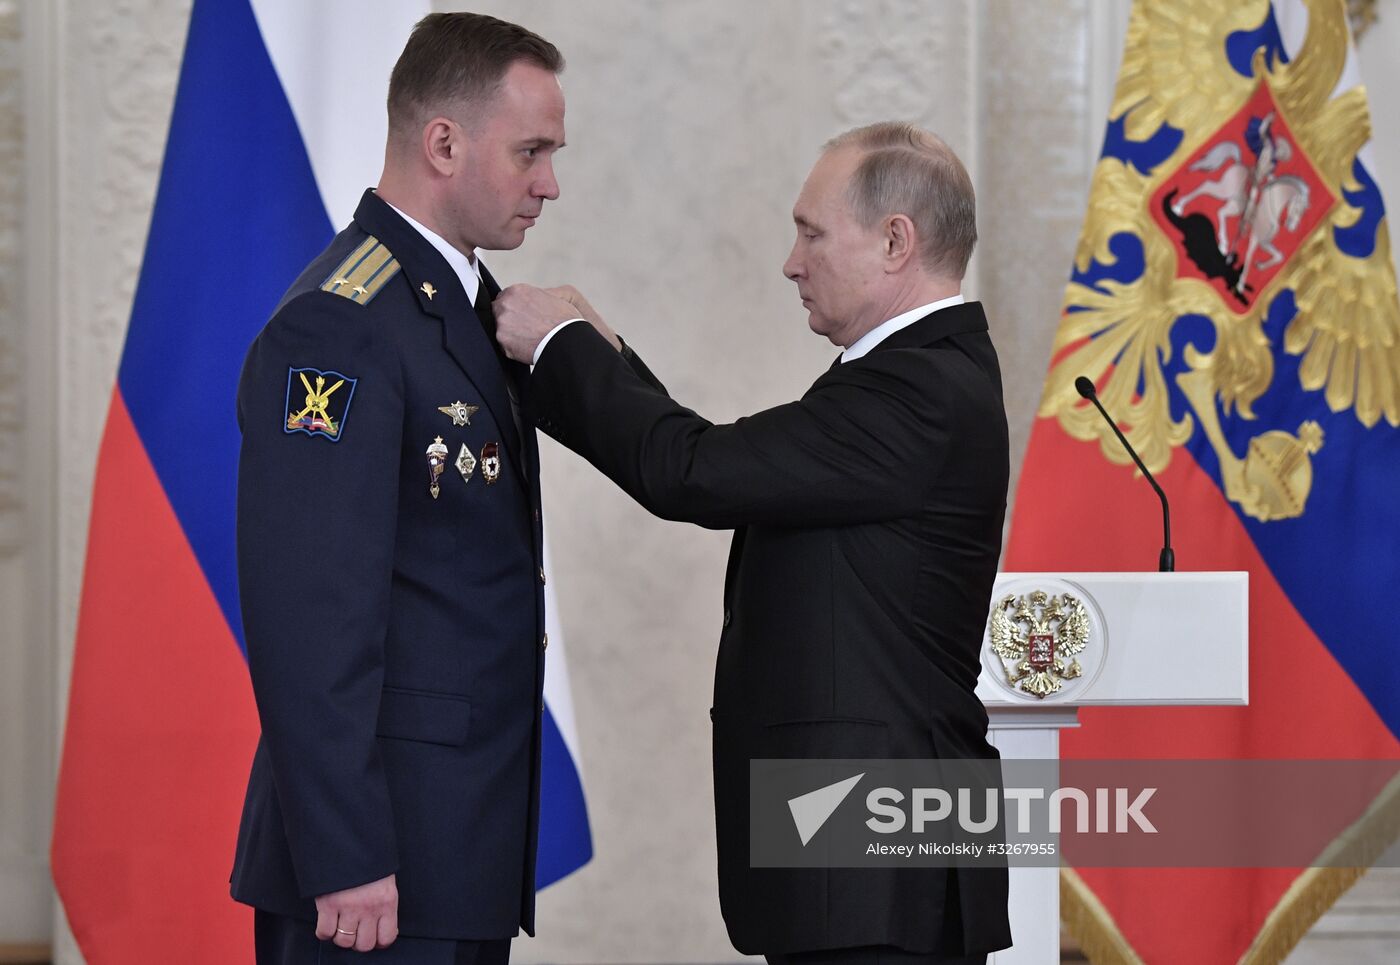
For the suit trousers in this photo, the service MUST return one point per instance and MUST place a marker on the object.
(874, 955)
(279, 940)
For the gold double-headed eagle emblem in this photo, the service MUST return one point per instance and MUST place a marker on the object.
(1038, 635)
(1346, 328)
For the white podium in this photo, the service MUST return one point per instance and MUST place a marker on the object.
(1060, 641)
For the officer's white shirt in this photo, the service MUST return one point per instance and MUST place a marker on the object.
(468, 269)
(469, 272)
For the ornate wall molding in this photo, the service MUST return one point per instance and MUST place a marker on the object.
(11, 280)
(1032, 184)
(117, 65)
(891, 59)
(119, 61)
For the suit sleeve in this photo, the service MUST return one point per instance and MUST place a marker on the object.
(638, 366)
(863, 444)
(316, 526)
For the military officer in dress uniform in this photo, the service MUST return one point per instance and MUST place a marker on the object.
(389, 541)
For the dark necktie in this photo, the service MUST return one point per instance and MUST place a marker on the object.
(515, 373)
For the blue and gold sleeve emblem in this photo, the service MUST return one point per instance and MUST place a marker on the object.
(318, 403)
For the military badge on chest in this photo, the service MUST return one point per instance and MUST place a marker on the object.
(460, 413)
(491, 463)
(437, 453)
(437, 461)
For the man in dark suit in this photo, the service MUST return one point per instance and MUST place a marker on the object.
(389, 539)
(868, 520)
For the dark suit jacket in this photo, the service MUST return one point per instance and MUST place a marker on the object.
(868, 522)
(395, 640)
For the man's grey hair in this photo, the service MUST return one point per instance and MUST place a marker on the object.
(910, 171)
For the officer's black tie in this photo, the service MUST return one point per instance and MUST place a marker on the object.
(515, 372)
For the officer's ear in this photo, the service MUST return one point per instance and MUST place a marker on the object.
(442, 144)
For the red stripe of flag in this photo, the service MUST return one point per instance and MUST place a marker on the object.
(152, 648)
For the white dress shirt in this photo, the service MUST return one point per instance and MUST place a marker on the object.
(884, 330)
(467, 269)
(469, 272)
(539, 349)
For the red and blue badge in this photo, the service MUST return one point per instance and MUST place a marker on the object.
(318, 402)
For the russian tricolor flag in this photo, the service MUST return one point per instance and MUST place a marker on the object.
(278, 125)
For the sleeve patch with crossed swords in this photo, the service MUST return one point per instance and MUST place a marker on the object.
(318, 402)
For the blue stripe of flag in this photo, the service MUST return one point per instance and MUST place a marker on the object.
(237, 217)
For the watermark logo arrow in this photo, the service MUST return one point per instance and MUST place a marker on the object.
(811, 810)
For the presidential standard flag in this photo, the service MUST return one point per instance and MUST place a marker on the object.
(278, 126)
(1234, 300)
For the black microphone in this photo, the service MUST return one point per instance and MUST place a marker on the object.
(1166, 562)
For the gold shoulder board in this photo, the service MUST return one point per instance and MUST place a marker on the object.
(361, 275)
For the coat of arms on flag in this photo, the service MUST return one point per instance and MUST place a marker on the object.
(1233, 298)
(1239, 199)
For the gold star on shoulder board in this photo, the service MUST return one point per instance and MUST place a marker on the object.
(460, 412)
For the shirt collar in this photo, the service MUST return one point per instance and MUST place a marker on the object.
(884, 330)
(468, 270)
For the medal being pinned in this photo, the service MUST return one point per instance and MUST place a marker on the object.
(437, 462)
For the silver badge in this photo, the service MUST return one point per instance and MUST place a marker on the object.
(437, 462)
(466, 464)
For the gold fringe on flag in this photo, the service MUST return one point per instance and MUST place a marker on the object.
(1317, 889)
(1307, 899)
(1091, 924)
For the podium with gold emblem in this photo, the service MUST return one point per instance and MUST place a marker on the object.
(1056, 642)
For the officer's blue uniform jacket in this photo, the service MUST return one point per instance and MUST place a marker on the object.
(391, 595)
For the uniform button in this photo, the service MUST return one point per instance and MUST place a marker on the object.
(544, 642)
(542, 579)
(727, 616)
(537, 515)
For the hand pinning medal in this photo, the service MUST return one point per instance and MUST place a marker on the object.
(437, 461)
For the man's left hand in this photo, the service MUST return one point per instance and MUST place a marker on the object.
(524, 315)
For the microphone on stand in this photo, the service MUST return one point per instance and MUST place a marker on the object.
(1166, 562)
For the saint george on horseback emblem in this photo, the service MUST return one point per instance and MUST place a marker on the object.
(1242, 204)
(1234, 240)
